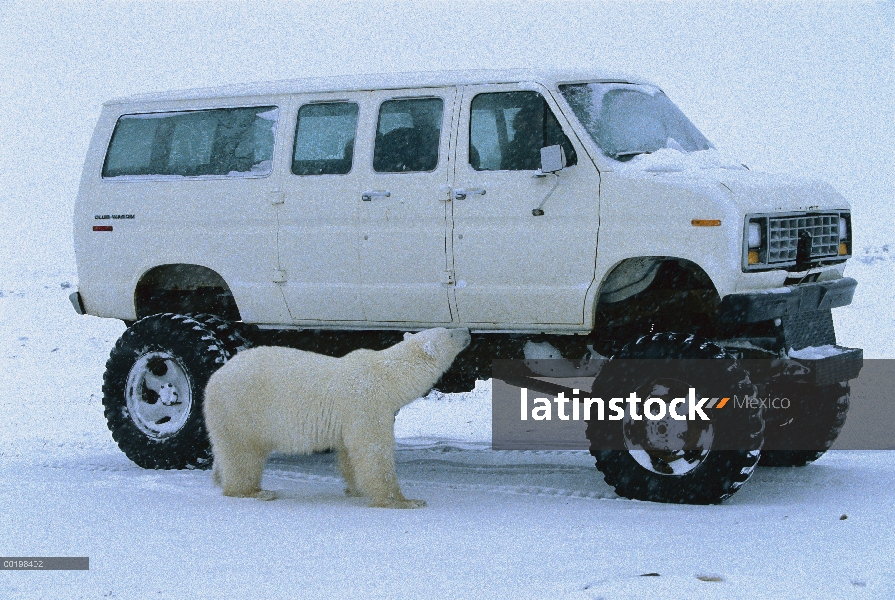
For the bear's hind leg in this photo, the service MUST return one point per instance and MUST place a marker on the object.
(376, 477)
(240, 472)
(347, 472)
(216, 473)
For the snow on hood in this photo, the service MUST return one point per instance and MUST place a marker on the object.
(753, 191)
(672, 160)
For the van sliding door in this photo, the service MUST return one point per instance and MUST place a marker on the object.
(403, 204)
(318, 214)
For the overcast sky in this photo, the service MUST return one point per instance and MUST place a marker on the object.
(804, 88)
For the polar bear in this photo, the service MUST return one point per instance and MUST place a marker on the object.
(268, 399)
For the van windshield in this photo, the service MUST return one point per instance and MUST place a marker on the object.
(626, 119)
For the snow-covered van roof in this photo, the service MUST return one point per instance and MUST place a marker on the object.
(385, 81)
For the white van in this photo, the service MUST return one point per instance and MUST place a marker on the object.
(553, 214)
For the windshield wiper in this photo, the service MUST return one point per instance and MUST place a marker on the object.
(626, 156)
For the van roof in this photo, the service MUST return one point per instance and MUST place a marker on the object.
(384, 81)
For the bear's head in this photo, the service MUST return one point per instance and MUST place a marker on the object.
(441, 345)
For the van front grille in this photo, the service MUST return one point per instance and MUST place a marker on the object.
(785, 233)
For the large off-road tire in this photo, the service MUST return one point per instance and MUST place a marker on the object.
(153, 390)
(692, 462)
(235, 336)
(809, 427)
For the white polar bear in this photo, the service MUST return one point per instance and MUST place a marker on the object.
(279, 399)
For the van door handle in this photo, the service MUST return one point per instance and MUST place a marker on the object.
(462, 194)
(368, 196)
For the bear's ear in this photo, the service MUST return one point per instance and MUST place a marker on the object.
(407, 335)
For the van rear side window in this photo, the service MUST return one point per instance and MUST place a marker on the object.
(221, 141)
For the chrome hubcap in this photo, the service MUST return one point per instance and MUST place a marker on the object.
(667, 446)
(159, 396)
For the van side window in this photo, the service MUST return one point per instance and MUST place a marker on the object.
(508, 129)
(324, 138)
(222, 141)
(408, 135)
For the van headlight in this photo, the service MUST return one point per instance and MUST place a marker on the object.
(756, 242)
(754, 235)
(844, 234)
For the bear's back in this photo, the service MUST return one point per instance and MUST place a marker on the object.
(277, 398)
(265, 371)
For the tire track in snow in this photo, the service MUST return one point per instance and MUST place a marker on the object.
(516, 490)
(469, 470)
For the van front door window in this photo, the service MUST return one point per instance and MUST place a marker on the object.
(508, 130)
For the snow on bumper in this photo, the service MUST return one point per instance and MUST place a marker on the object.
(826, 365)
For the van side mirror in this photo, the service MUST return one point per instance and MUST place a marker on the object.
(553, 159)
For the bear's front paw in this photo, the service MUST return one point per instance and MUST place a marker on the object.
(266, 495)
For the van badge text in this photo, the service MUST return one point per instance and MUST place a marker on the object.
(101, 217)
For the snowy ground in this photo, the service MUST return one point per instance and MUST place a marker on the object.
(498, 524)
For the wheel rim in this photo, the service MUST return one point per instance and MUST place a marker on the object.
(667, 446)
(159, 395)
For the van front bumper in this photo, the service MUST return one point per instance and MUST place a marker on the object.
(766, 305)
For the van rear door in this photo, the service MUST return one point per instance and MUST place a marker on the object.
(183, 184)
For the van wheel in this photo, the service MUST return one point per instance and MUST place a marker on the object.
(813, 421)
(668, 460)
(153, 389)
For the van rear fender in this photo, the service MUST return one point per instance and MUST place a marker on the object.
(184, 288)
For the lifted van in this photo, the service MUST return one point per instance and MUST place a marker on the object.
(554, 214)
